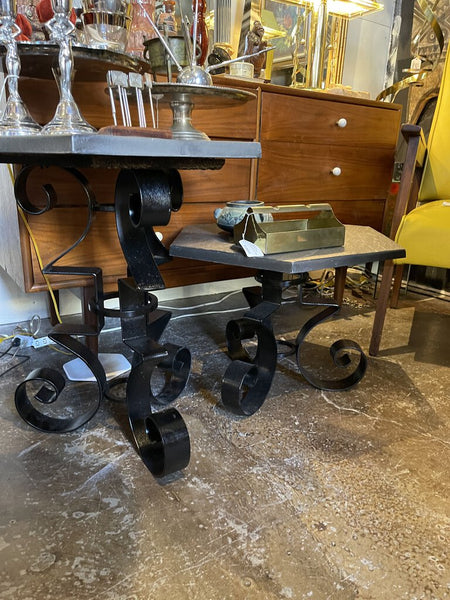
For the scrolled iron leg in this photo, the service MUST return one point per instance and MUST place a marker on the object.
(30, 403)
(161, 438)
(51, 388)
(272, 286)
(160, 434)
(339, 351)
(247, 381)
(145, 199)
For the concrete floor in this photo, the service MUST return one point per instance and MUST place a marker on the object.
(319, 495)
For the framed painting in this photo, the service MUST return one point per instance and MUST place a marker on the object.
(286, 18)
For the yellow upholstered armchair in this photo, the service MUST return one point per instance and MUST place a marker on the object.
(421, 220)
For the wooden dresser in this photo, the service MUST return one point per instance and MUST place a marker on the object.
(305, 138)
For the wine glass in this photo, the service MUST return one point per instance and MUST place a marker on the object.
(67, 119)
(16, 120)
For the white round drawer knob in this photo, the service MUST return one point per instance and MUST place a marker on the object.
(336, 171)
(342, 123)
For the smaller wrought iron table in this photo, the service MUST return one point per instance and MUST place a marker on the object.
(247, 380)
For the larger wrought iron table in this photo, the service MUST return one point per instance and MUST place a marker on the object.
(248, 378)
(148, 189)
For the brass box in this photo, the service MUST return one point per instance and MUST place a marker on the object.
(319, 229)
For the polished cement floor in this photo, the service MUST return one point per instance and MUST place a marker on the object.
(319, 495)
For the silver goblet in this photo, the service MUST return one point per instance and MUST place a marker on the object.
(67, 119)
(16, 120)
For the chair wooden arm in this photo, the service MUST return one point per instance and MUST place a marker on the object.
(411, 174)
(406, 201)
(408, 194)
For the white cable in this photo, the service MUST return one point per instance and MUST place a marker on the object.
(199, 314)
(201, 305)
(210, 312)
(165, 307)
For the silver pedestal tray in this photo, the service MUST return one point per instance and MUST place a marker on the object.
(90, 64)
(183, 97)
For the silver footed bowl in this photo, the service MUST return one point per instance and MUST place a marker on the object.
(194, 75)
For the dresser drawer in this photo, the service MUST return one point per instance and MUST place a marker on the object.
(291, 172)
(239, 121)
(231, 182)
(325, 121)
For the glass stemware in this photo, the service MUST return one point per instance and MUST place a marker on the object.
(16, 120)
(67, 119)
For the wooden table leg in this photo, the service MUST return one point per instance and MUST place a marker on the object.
(52, 308)
(381, 307)
(339, 284)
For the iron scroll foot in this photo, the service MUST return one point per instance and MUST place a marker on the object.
(247, 380)
(50, 383)
(45, 387)
(161, 438)
(160, 434)
(340, 354)
(272, 286)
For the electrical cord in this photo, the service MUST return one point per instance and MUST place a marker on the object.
(193, 307)
(318, 284)
(213, 303)
(34, 326)
(14, 344)
(209, 312)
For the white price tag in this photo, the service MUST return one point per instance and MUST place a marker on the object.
(250, 248)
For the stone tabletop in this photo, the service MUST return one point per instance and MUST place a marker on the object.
(132, 151)
(362, 245)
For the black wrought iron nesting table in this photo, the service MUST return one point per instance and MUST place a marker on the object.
(148, 189)
(248, 379)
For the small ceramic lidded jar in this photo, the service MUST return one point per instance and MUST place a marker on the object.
(235, 211)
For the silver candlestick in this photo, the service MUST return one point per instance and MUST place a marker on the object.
(67, 119)
(16, 120)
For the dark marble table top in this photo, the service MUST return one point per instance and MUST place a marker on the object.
(362, 245)
(133, 151)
